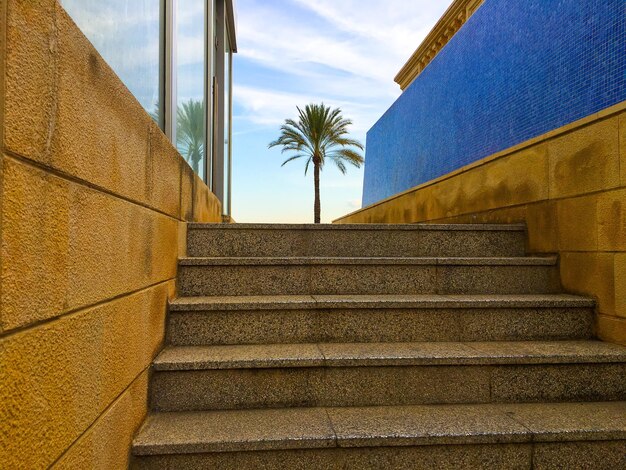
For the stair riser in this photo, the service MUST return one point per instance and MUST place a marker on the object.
(366, 279)
(415, 243)
(392, 385)
(541, 455)
(377, 325)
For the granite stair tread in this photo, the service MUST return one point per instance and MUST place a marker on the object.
(261, 356)
(416, 425)
(361, 227)
(425, 301)
(393, 261)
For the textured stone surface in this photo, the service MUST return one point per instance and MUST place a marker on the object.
(418, 301)
(425, 425)
(60, 376)
(504, 457)
(572, 421)
(234, 430)
(598, 455)
(521, 324)
(622, 149)
(309, 240)
(105, 445)
(78, 246)
(242, 327)
(316, 386)
(30, 75)
(585, 160)
(497, 279)
(578, 223)
(388, 318)
(590, 273)
(386, 354)
(611, 221)
(564, 382)
(611, 329)
(293, 276)
(620, 282)
(384, 427)
(239, 357)
(90, 202)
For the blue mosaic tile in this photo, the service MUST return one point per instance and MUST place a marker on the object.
(516, 70)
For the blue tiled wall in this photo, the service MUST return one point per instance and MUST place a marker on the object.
(517, 69)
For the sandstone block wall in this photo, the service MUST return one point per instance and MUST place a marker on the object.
(93, 206)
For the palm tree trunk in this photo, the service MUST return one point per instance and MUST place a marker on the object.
(316, 180)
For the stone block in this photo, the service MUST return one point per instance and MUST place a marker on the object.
(78, 246)
(585, 160)
(30, 76)
(612, 329)
(516, 179)
(443, 457)
(620, 285)
(165, 163)
(206, 206)
(317, 386)
(542, 225)
(242, 327)
(231, 389)
(60, 376)
(590, 273)
(577, 223)
(622, 148)
(446, 199)
(106, 443)
(555, 383)
(35, 245)
(591, 454)
(497, 280)
(611, 221)
(187, 180)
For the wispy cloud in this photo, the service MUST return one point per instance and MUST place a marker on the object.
(346, 52)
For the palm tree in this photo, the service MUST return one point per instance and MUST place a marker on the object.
(320, 133)
(190, 132)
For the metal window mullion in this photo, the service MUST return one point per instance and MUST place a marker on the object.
(170, 70)
(230, 133)
(208, 92)
(218, 157)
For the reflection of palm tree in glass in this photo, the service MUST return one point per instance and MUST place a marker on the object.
(190, 132)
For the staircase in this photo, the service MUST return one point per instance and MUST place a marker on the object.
(379, 347)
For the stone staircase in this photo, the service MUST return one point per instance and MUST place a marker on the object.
(379, 346)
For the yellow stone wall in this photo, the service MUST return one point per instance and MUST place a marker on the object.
(568, 186)
(93, 208)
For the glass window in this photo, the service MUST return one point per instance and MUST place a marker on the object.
(129, 36)
(191, 102)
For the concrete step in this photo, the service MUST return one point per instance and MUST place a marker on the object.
(374, 374)
(380, 240)
(378, 318)
(502, 436)
(296, 276)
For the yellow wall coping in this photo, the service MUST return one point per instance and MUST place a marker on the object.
(455, 16)
(605, 113)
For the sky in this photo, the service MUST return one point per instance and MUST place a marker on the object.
(344, 53)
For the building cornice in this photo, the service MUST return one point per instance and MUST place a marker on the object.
(452, 20)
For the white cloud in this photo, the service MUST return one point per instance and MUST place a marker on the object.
(342, 52)
(269, 108)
